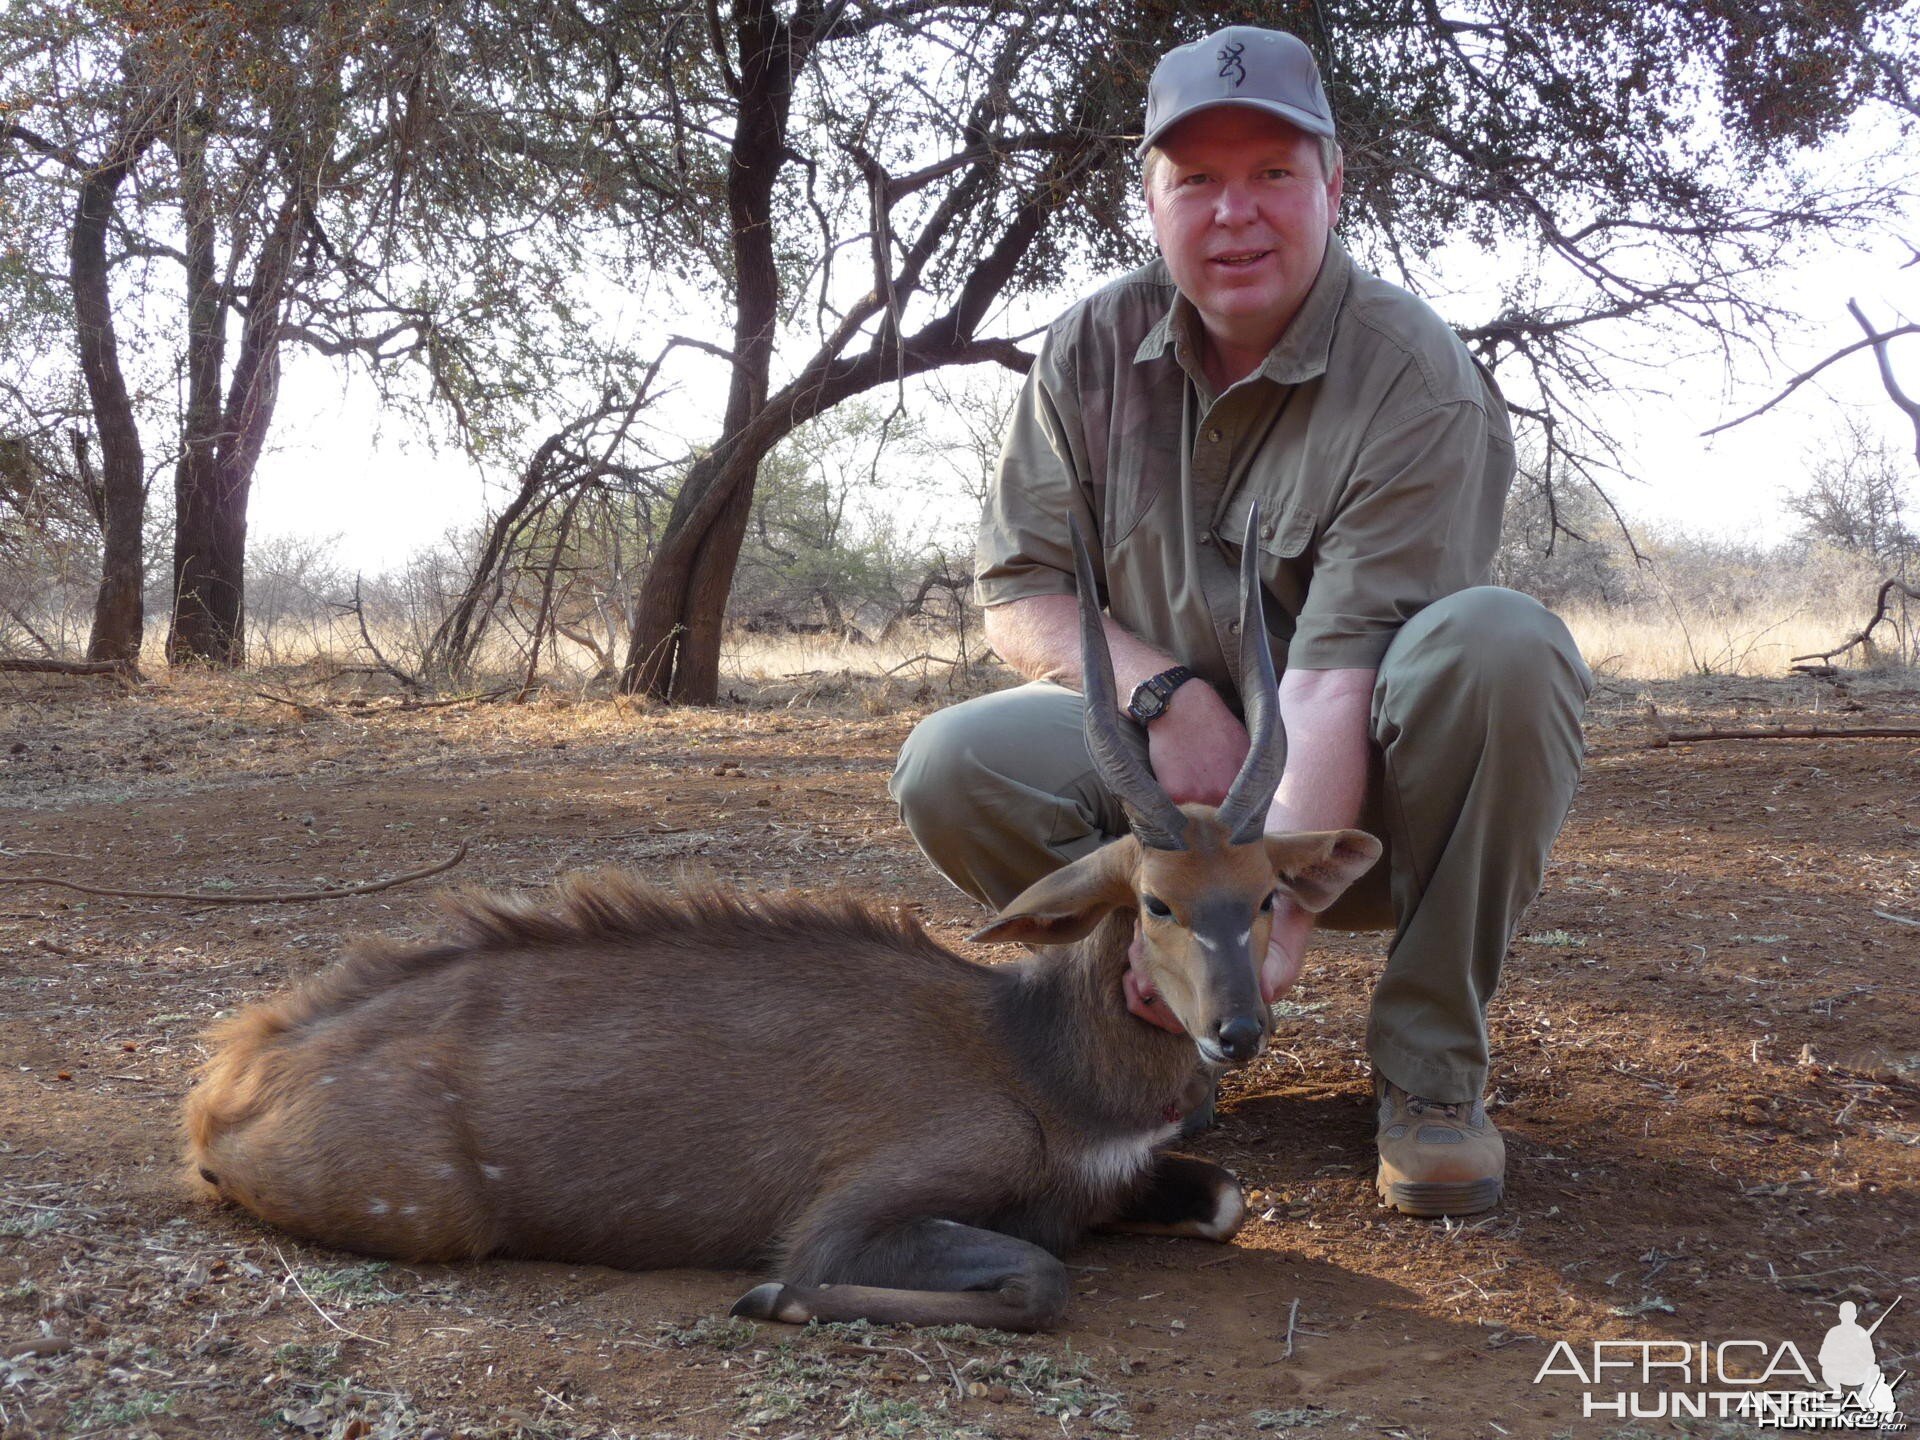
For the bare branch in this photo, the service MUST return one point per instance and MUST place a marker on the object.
(1908, 405)
(1873, 340)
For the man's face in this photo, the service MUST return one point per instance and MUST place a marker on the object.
(1241, 212)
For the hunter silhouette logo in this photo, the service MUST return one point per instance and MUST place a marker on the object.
(1847, 1365)
(1231, 67)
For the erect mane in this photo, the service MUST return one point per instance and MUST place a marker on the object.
(608, 907)
(615, 906)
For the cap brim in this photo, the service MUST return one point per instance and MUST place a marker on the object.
(1303, 119)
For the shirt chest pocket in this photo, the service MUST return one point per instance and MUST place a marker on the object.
(1285, 538)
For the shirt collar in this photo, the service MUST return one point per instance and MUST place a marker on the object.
(1301, 352)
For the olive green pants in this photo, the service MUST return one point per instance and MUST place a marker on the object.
(1477, 746)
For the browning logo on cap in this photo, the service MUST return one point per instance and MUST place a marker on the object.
(1230, 65)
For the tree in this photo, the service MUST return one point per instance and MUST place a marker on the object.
(341, 177)
(862, 188)
(1643, 151)
(1857, 497)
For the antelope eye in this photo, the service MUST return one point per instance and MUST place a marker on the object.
(1156, 906)
(1266, 905)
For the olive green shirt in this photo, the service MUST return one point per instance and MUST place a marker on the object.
(1379, 452)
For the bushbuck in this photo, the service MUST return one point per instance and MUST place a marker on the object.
(625, 1077)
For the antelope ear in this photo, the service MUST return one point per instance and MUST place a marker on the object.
(1067, 904)
(1315, 866)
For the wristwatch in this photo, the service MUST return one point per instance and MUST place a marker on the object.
(1150, 696)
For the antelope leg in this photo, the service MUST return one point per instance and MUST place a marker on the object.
(942, 1273)
(1183, 1195)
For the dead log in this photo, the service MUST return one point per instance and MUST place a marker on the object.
(125, 669)
(1790, 732)
(1881, 606)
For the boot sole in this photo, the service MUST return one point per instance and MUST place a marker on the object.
(1431, 1199)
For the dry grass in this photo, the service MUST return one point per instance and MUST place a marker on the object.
(1639, 644)
(1657, 637)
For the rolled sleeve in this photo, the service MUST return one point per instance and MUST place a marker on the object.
(1040, 486)
(1419, 519)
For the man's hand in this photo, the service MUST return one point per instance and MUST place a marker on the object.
(1197, 747)
(1142, 999)
(1286, 950)
(1279, 968)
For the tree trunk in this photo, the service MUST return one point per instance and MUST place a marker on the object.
(119, 614)
(223, 445)
(674, 650)
(198, 595)
(674, 653)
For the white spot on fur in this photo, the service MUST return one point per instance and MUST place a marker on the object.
(1245, 936)
(409, 1209)
(446, 1170)
(1206, 940)
(492, 1172)
(328, 1079)
(378, 1206)
(450, 1097)
(1114, 1163)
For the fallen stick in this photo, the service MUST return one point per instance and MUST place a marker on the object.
(476, 697)
(1791, 732)
(268, 897)
(123, 668)
(306, 711)
(292, 1276)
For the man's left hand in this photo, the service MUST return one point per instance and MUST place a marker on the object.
(1279, 969)
(1286, 950)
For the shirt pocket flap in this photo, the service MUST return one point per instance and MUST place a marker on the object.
(1288, 535)
(1286, 525)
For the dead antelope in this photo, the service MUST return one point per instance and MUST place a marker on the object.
(631, 1079)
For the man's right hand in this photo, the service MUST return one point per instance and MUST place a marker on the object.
(1197, 747)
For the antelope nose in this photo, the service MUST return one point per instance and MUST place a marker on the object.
(1240, 1038)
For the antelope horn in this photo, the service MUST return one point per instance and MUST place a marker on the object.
(1157, 821)
(1244, 811)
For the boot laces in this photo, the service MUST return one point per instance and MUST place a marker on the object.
(1453, 1110)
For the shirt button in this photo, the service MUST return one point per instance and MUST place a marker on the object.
(1233, 627)
(1266, 530)
(1213, 436)
(1206, 537)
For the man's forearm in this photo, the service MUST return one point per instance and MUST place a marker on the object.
(1326, 713)
(1040, 638)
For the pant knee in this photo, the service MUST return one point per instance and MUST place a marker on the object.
(1497, 639)
(932, 771)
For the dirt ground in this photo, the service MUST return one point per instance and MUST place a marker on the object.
(1706, 1067)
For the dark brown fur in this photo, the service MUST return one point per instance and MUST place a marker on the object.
(621, 1076)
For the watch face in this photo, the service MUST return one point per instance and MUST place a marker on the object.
(1148, 703)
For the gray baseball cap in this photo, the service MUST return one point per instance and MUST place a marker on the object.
(1241, 65)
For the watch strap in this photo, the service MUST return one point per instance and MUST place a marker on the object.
(1150, 696)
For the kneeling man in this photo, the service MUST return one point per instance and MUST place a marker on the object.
(1254, 362)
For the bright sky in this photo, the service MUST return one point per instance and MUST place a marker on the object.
(334, 470)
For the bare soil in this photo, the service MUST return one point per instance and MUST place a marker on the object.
(1706, 1068)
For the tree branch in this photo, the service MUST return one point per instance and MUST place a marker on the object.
(1873, 340)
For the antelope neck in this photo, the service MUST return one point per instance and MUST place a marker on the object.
(1083, 1049)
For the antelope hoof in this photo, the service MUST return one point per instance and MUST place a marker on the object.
(772, 1301)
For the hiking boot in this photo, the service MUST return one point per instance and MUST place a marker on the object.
(1437, 1159)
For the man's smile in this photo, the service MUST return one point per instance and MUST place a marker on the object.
(1239, 259)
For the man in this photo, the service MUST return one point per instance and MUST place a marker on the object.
(1253, 361)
